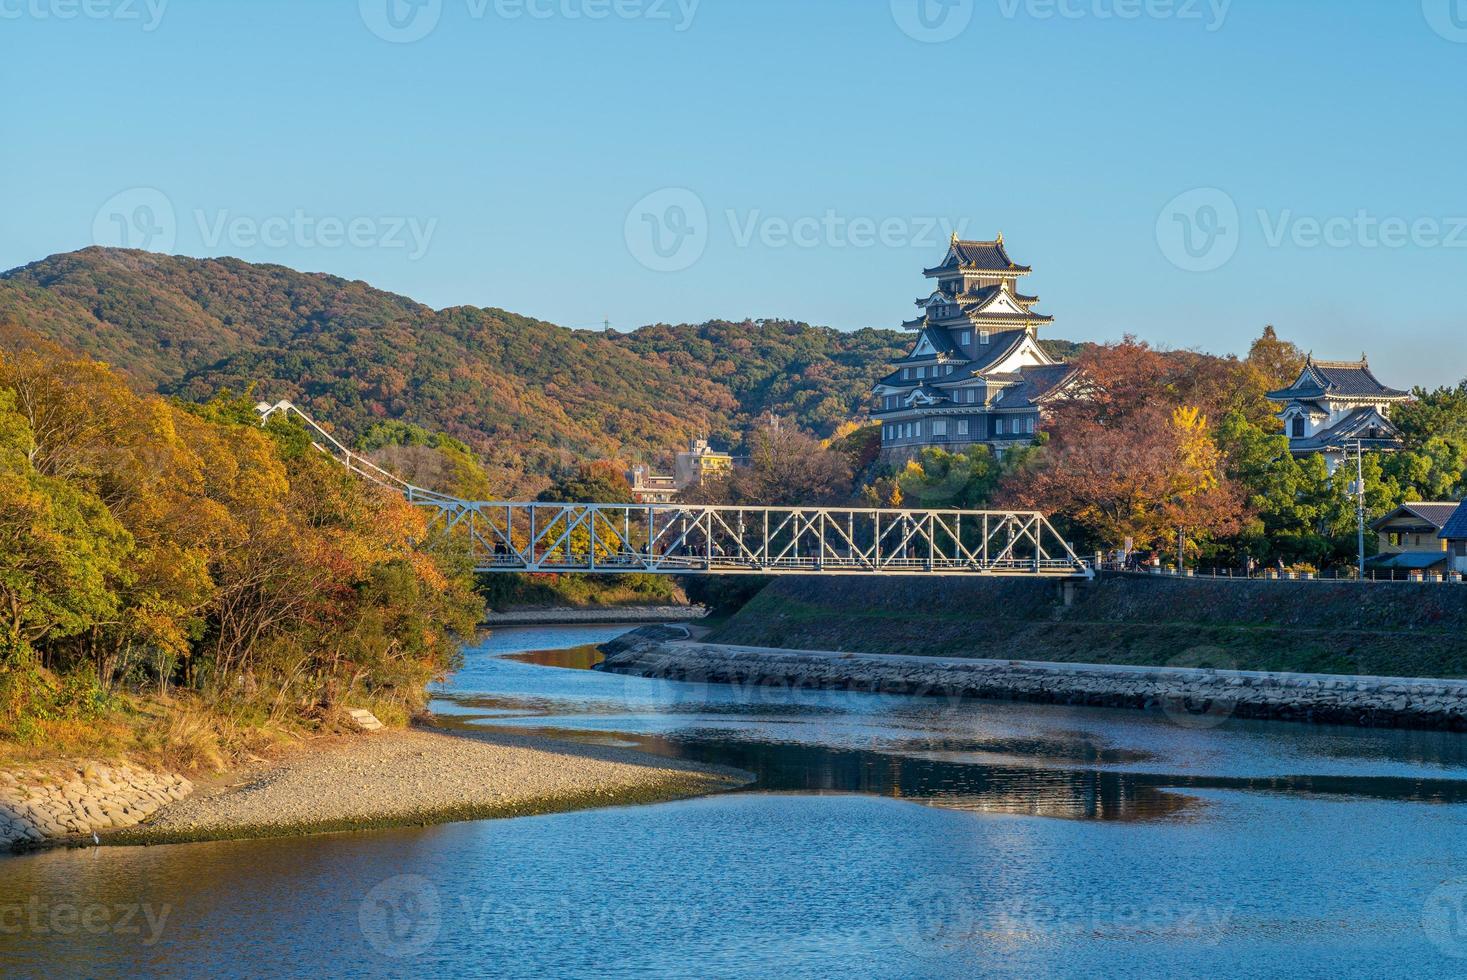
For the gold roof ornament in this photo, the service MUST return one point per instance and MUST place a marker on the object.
(955, 236)
(1000, 238)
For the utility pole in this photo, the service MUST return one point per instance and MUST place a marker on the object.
(1360, 507)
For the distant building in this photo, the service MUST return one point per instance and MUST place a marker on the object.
(976, 374)
(697, 466)
(1454, 536)
(1335, 404)
(1410, 538)
(700, 464)
(649, 487)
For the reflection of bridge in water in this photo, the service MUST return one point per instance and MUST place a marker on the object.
(688, 539)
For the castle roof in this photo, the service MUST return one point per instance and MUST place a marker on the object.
(977, 256)
(1337, 379)
(1038, 382)
(1364, 425)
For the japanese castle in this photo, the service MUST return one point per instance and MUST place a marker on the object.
(1336, 404)
(977, 373)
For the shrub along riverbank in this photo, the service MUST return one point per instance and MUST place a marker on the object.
(1387, 629)
(183, 586)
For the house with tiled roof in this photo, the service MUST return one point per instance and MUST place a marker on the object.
(1335, 405)
(1410, 539)
(976, 373)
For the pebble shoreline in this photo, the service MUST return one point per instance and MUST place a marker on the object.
(667, 652)
(371, 781)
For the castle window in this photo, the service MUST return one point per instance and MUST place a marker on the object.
(998, 427)
(962, 427)
(1298, 430)
(939, 427)
(1029, 425)
(983, 336)
(966, 337)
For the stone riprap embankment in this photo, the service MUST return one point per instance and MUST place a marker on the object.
(666, 652)
(40, 805)
(565, 616)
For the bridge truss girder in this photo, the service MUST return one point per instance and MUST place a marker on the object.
(730, 540)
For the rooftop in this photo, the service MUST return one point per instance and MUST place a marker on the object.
(1435, 513)
(977, 256)
(1456, 526)
(1340, 379)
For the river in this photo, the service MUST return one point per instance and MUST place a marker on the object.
(884, 836)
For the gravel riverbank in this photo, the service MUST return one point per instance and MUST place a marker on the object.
(420, 776)
(1191, 695)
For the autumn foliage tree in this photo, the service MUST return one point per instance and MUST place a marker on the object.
(1133, 454)
(148, 544)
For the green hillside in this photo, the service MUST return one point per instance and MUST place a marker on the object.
(525, 393)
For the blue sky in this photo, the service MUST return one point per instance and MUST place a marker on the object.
(1186, 171)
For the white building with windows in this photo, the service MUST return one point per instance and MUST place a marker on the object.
(977, 373)
(1336, 404)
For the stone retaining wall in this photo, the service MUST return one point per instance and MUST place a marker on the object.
(82, 799)
(1192, 695)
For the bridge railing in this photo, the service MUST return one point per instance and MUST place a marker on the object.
(507, 536)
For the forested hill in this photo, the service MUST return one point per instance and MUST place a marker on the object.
(526, 393)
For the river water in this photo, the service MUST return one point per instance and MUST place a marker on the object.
(883, 836)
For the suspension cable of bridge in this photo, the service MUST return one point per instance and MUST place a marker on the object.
(684, 539)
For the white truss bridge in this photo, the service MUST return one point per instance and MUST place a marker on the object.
(694, 539)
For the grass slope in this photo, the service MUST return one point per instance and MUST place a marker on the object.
(1338, 628)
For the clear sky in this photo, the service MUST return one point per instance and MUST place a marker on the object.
(1187, 170)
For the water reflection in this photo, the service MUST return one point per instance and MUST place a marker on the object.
(964, 755)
